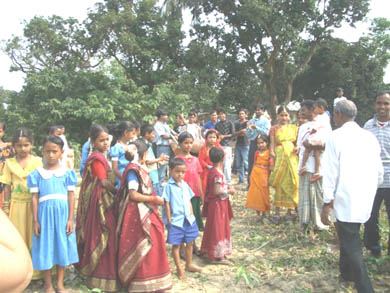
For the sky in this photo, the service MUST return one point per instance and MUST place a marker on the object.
(14, 13)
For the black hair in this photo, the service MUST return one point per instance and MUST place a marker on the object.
(210, 131)
(192, 113)
(51, 129)
(281, 109)
(320, 102)
(2, 124)
(120, 129)
(146, 128)
(308, 104)
(183, 136)
(260, 106)
(111, 127)
(383, 93)
(216, 155)
(263, 137)
(221, 111)
(60, 126)
(173, 163)
(95, 131)
(54, 139)
(136, 124)
(161, 112)
(213, 111)
(243, 110)
(142, 148)
(22, 132)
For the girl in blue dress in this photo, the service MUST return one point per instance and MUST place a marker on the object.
(125, 132)
(54, 240)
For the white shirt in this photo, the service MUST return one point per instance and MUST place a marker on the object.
(161, 129)
(352, 170)
(303, 134)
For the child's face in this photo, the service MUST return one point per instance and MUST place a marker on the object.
(178, 173)
(261, 144)
(283, 117)
(1, 132)
(192, 119)
(52, 153)
(211, 139)
(222, 116)
(102, 142)
(318, 109)
(129, 135)
(22, 147)
(150, 136)
(242, 115)
(57, 132)
(186, 145)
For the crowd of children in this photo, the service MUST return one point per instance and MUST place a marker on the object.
(118, 240)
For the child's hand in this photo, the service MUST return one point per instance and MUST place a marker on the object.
(158, 201)
(37, 229)
(69, 227)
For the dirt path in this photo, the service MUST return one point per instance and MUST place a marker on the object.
(267, 258)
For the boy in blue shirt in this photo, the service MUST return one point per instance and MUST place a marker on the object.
(179, 217)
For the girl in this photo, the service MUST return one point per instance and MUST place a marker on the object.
(16, 194)
(192, 175)
(6, 152)
(284, 177)
(54, 240)
(258, 194)
(211, 138)
(216, 240)
(125, 132)
(142, 258)
(96, 220)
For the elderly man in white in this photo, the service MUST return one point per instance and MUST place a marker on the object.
(352, 170)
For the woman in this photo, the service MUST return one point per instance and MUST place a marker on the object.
(284, 177)
(95, 217)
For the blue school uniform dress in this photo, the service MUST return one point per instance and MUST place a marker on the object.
(183, 227)
(53, 246)
(117, 153)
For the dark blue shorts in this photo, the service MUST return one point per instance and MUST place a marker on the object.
(188, 233)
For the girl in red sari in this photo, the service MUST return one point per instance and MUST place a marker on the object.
(216, 242)
(96, 223)
(142, 258)
(204, 159)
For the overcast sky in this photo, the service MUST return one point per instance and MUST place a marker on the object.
(14, 13)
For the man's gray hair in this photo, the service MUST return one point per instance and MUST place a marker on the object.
(347, 108)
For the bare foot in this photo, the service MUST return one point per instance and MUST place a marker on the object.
(193, 268)
(61, 290)
(49, 290)
(180, 274)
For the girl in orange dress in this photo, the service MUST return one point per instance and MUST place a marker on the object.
(211, 138)
(258, 193)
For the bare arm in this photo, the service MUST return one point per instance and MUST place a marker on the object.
(136, 196)
(16, 267)
(272, 145)
(108, 185)
(36, 226)
(7, 192)
(69, 224)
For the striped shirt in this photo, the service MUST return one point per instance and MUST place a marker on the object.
(382, 133)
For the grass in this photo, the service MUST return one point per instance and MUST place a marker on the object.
(270, 258)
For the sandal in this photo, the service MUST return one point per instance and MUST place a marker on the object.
(275, 219)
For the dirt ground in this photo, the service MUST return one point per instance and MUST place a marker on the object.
(267, 258)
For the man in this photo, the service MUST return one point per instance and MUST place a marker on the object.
(162, 141)
(352, 170)
(380, 127)
(340, 96)
(242, 145)
(211, 123)
(310, 193)
(226, 131)
(256, 126)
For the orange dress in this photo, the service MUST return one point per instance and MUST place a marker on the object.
(258, 193)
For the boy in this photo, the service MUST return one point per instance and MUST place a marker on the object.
(147, 133)
(179, 217)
